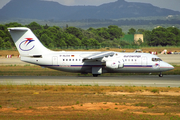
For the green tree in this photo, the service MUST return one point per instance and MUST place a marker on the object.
(47, 41)
(110, 43)
(47, 32)
(176, 32)
(46, 26)
(124, 43)
(162, 36)
(2, 43)
(93, 30)
(158, 38)
(171, 39)
(132, 31)
(13, 24)
(88, 34)
(71, 40)
(34, 26)
(147, 37)
(140, 31)
(74, 31)
(8, 45)
(103, 33)
(61, 42)
(2, 34)
(3, 27)
(93, 42)
(85, 42)
(115, 32)
(94, 34)
(59, 39)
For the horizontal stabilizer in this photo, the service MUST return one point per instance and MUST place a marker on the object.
(18, 29)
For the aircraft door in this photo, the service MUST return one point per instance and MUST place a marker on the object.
(144, 61)
(55, 60)
(121, 64)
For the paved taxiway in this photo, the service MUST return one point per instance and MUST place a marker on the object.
(139, 80)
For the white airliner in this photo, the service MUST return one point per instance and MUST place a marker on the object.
(32, 51)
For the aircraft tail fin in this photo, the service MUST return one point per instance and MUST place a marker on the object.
(26, 42)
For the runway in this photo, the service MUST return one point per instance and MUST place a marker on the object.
(140, 80)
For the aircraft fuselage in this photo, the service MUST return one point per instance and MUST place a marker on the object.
(74, 62)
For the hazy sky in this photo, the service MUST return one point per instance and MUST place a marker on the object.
(170, 4)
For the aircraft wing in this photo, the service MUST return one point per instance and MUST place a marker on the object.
(98, 56)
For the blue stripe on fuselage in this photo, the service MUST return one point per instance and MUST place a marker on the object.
(137, 66)
(126, 66)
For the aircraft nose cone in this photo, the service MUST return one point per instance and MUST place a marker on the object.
(171, 67)
(166, 67)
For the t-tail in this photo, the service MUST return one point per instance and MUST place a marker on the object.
(26, 42)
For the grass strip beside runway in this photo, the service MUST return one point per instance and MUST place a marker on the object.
(27, 70)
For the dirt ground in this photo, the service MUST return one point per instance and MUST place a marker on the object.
(92, 102)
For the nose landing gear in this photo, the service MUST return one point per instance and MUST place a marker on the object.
(160, 75)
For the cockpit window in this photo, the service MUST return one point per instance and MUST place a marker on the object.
(156, 59)
(159, 59)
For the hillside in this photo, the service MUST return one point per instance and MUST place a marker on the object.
(49, 10)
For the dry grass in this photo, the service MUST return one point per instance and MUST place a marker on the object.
(27, 70)
(8, 52)
(88, 102)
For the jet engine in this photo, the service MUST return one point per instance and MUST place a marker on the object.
(115, 64)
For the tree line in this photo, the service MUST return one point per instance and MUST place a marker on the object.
(55, 37)
(105, 22)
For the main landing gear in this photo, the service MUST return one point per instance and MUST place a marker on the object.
(160, 75)
(95, 75)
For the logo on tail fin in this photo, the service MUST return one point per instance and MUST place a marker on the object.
(27, 45)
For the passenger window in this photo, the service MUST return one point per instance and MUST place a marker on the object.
(63, 59)
(132, 60)
(66, 59)
(69, 59)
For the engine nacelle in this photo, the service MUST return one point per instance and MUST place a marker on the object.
(115, 64)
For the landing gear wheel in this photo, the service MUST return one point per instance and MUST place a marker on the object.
(95, 75)
(160, 75)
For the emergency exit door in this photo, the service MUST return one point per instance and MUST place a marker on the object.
(144, 61)
(55, 60)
